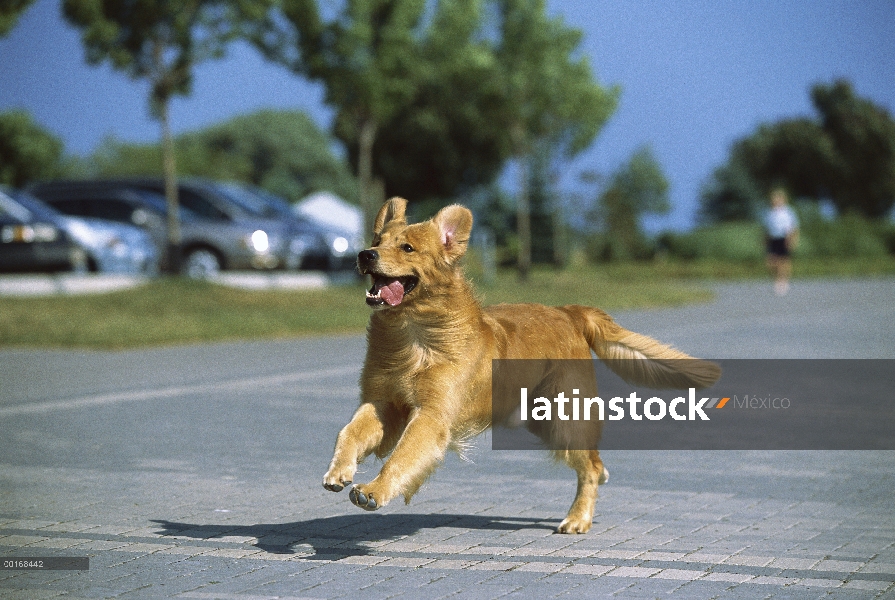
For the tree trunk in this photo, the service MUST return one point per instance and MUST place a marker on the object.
(365, 174)
(171, 196)
(523, 205)
(523, 221)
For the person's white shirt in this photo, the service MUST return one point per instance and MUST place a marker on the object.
(780, 221)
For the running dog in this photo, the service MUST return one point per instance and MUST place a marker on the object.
(426, 384)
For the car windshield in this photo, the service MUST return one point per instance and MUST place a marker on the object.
(33, 207)
(272, 200)
(246, 200)
(158, 203)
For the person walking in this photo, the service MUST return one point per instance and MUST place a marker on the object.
(782, 234)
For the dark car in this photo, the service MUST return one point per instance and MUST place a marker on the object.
(103, 246)
(35, 241)
(216, 233)
(320, 247)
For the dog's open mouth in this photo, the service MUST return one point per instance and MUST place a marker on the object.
(390, 290)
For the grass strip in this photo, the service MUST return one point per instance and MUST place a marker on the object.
(178, 311)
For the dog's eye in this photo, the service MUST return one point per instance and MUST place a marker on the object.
(406, 247)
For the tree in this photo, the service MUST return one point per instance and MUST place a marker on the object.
(863, 135)
(549, 95)
(10, 11)
(637, 188)
(443, 92)
(448, 139)
(794, 153)
(281, 151)
(161, 41)
(731, 194)
(27, 151)
(366, 56)
(846, 153)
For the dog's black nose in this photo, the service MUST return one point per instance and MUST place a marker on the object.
(367, 257)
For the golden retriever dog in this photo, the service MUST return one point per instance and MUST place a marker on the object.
(426, 384)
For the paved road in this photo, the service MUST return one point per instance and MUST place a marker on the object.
(195, 472)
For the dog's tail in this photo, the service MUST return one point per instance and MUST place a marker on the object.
(639, 359)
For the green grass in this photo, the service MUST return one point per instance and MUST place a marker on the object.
(176, 311)
(608, 288)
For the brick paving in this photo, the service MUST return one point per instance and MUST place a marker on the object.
(194, 472)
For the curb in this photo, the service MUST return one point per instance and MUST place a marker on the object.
(70, 284)
(67, 284)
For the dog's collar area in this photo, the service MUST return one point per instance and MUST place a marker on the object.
(390, 290)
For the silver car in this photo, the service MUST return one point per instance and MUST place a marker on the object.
(216, 233)
(107, 247)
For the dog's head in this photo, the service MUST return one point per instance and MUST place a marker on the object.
(406, 261)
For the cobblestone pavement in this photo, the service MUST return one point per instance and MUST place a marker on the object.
(194, 472)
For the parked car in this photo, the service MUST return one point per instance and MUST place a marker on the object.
(90, 244)
(216, 233)
(35, 242)
(320, 247)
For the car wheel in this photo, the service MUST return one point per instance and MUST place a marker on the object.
(201, 264)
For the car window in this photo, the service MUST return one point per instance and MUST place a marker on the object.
(10, 212)
(159, 204)
(277, 203)
(73, 207)
(34, 206)
(199, 205)
(110, 209)
(247, 201)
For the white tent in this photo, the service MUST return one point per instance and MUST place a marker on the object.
(331, 211)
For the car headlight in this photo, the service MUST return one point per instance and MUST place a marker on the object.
(39, 232)
(340, 245)
(260, 241)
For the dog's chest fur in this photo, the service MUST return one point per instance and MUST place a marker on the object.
(405, 357)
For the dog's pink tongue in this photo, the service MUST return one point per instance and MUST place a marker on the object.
(393, 293)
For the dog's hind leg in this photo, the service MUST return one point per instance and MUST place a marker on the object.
(591, 473)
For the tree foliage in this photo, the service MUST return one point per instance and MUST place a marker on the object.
(863, 135)
(731, 194)
(432, 98)
(367, 58)
(446, 140)
(10, 11)
(281, 151)
(846, 154)
(28, 152)
(637, 188)
(549, 96)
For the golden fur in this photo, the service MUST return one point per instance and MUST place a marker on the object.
(426, 381)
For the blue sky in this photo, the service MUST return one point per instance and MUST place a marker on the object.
(695, 76)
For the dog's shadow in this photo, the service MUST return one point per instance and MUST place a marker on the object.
(332, 538)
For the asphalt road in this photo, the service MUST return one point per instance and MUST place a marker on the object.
(194, 472)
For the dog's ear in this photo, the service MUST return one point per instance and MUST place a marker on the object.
(454, 225)
(392, 210)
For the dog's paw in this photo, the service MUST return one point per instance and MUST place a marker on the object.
(574, 525)
(336, 487)
(365, 500)
(336, 481)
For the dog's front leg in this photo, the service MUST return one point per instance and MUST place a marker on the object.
(356, 441)
(418, 452)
